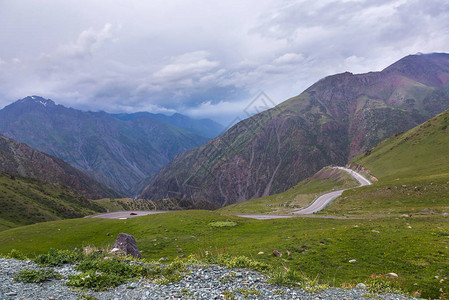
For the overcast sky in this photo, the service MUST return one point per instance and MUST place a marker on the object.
(201, 58)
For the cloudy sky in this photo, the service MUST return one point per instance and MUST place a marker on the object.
(202, 58)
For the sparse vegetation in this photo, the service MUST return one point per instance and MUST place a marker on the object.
(379, 284)
(37, 275)
(56, 257)
(292, 277)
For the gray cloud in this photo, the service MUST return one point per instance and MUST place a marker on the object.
(205, 59)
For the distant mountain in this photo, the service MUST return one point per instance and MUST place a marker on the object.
(202, 127)
(25, 200)
(19, 159)
(337, 118)
(118, 153)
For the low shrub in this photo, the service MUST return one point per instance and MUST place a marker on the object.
(95, 281)
(37, 275)
(242, 262)
(59, 257)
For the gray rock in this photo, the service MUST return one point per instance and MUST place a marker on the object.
(361, 286)
(127, 244)
(277, 253)
(353, 261)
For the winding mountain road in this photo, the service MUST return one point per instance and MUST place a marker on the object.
(319, 203)
(324, 200)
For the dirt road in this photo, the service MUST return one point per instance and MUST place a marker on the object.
(127, 214)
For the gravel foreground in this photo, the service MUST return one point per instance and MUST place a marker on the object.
(213, 282)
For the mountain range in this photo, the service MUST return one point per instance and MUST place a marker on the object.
(120, 151)
(334, 120)
(202, 127)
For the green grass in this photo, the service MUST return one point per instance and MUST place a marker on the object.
(25, 201)
(317, 246)
(421, 151)
(36, 276)
(413, 173)
(298, 196)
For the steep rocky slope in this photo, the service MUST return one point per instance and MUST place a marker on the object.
(118, 153)
(337, 118)
(19, 159)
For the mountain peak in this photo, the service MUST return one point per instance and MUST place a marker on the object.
(37, 99)
(429, 69)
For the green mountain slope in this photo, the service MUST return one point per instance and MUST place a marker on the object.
(418, 153)
(412, 169)
(334, 120)
(19, 159)
(26, 201)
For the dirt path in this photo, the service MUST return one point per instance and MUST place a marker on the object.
(127, 214)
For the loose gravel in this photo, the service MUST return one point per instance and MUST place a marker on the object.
(212, 282)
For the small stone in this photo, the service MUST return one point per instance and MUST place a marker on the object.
(375, 231)
(51, 298)
(436, 277)
(352, 261)
(361, 286)
(108, 234)
(179, 250)
(11, 294)
(409, 227)
(114, 250)
(277, 253)
(392, 275)
(445, 214)
(261, 253)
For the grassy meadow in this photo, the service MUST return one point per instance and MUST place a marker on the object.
(414, 248)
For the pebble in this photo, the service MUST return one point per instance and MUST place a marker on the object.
(200, 282)
(361, 286)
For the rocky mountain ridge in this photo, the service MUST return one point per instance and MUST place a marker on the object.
(337, 118)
